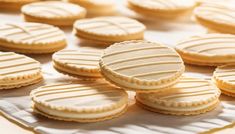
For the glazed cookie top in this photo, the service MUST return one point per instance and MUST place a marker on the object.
(80, 97)
(142, 61)
(164, 4)
(217, 12)
(225, 73)
(86, 59)
(17, 66)
(109, 26)
(31, 33)
(53, 9)
(210, 45)
(188, 92)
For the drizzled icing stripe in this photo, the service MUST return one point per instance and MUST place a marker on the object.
(51, 8)
(26, 32)
(98, 91)
(142, 57)
(187, 88)
(16, 64)
(134, 50)
(208, 43)
(123, 24)
(77, 57)
(146, 64)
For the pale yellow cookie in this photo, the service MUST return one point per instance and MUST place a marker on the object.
(216, 16)
(190, 96)
(33, 38)
(224, 78)
(18, 70)
(97, 7)
(208, 49)
(141, 66)
(81, 102)
(161, 8)
(81, 62)
(53, 12)
(14, 5)
(109, 29)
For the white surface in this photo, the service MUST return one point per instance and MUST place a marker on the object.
(16, 103)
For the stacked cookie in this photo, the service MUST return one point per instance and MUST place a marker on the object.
(212, 50)
(216, 16)
(167, 9)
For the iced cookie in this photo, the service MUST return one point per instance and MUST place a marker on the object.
(33, 38)
(14, 5)
(109, 29)
(161, 8)
(53, 12)
(97, 7)
(18, 70)
(208, 49)
(216, 16)
(81, 62)
(224, 78)
(190, 96)
(81, 102)
(141, 66)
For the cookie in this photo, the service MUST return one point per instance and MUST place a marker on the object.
(141, 65)
(14, 5)
(216, 16)
(161, 8)
(224, 78)
(17, 70)
(53, 12)
(109, 29)
(190, 96)
(97, 7)
(82, 62)
(208, 49)
(81, 102)
(32, 38)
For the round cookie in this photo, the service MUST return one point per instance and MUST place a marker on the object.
(208, 49)
(141, 66)
(190, 96)
(18, 70)
(14, 5)
(216, 16)
(161, 8)
(82, 62)
(109, 29)
(224, 78)
(81, 102)
(33, 38)
(97, 7)
(53, 12)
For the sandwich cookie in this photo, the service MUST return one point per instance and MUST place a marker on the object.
(191, 96)
(53, 12)
(97, 7)
(208, 49)
(216, 16)
(81, 102)
(224, 78)
(32, 38)
(141, 65)
(161, 8)
(14, 5)
(18, 70)
(82, 62)
(109, 29)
